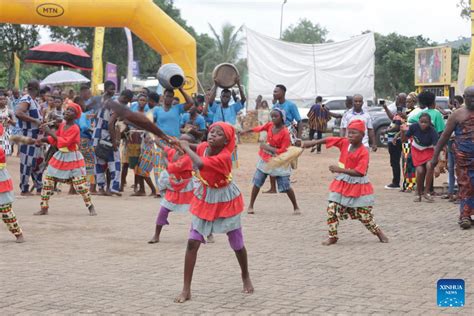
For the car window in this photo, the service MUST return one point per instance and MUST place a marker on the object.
(336, 105)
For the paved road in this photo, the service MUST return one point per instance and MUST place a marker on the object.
(76, 264)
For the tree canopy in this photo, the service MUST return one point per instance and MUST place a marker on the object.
(305, 32)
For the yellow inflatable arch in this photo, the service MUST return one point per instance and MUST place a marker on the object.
(142, 17)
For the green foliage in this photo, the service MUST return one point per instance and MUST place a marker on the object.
(14, 38)
(305, 32)
(395, 63)
(464, 49)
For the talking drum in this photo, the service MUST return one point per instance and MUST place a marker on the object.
(171, 76)
(225, 75)
(285, 159)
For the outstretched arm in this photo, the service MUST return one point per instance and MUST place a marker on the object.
(310, 143)
(197, 161)
(139, 120)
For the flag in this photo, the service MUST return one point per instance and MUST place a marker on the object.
(17, 70)
(98, 71)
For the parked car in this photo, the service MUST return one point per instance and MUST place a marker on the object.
(380, 120)
(334, 104)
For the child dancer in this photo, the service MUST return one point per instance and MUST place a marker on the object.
(422, 149)
(278, 141)
(351, 193)
(217, 202)
(179, 189)
(67, 165)
(7, 196)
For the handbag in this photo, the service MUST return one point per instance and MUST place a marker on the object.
(104, 149)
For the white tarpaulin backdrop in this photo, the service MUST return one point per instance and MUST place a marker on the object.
(307, 70)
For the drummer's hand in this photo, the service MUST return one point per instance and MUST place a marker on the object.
(184, 144)
(237, 80)
(298, 142)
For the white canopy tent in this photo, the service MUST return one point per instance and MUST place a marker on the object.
(307, 70)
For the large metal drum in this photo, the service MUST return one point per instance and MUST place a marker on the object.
(225, 75)
(171, 76)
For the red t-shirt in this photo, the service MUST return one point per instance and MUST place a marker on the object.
(357, 160)
(216, 170)
(280, 140)
(69, 138)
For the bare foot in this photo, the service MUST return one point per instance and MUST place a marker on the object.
(20, 239)
(330, 241)
(382, 237)
(250, 210)
(26, 194)
(43, 211)
(210, 239)
(154, 240)
(92, 211)
(297, 212)
(248, 287)
(138, 193)
(270, 191)
(183, 297)
(417, 198)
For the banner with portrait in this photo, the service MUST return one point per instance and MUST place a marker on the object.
(433, 66)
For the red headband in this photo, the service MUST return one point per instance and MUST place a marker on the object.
(76, 107)
(357, 125)
(229, 133)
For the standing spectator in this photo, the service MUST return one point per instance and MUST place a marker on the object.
(427, 101)
(263, 116)
(318, 117)
(29, 120)
(102, 138)
(461, 122)
(6, 120)
(357, 113)
(395, 145)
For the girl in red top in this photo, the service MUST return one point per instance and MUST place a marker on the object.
(278, 141)
(7, 197)
(351, 193)
(217, 202)
(179, 188)
(67, 165)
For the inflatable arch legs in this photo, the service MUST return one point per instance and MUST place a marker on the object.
(142, 17)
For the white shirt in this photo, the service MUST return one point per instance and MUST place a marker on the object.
(349, 116)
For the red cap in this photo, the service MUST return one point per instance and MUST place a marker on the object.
(357, 125)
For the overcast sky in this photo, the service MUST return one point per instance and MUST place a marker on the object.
(438, 20)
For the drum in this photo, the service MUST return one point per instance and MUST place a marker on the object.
(226, 75)
(171, 76)
(285, 159)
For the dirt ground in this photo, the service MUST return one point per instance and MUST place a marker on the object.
(76, 264)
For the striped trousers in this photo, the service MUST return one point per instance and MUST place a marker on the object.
(9, 219)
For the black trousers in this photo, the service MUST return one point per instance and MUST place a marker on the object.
(395, 152)
(319, 135)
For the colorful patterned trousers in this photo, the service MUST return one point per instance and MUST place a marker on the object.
(9, 219)
(409, 171)
(79, 183)
(337, 212)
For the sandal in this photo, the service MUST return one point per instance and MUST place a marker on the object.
(417, 198)
(428, 198)
(465, 223)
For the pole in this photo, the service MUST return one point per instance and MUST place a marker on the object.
(281, 17)
(470, 67)
(130, 59)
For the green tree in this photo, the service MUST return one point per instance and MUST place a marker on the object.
(305, 32)
(394, 62)
(14, 38)
(464, 49)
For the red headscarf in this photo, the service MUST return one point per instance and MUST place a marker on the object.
(357, 125)
(229, 133)
(76, 107)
